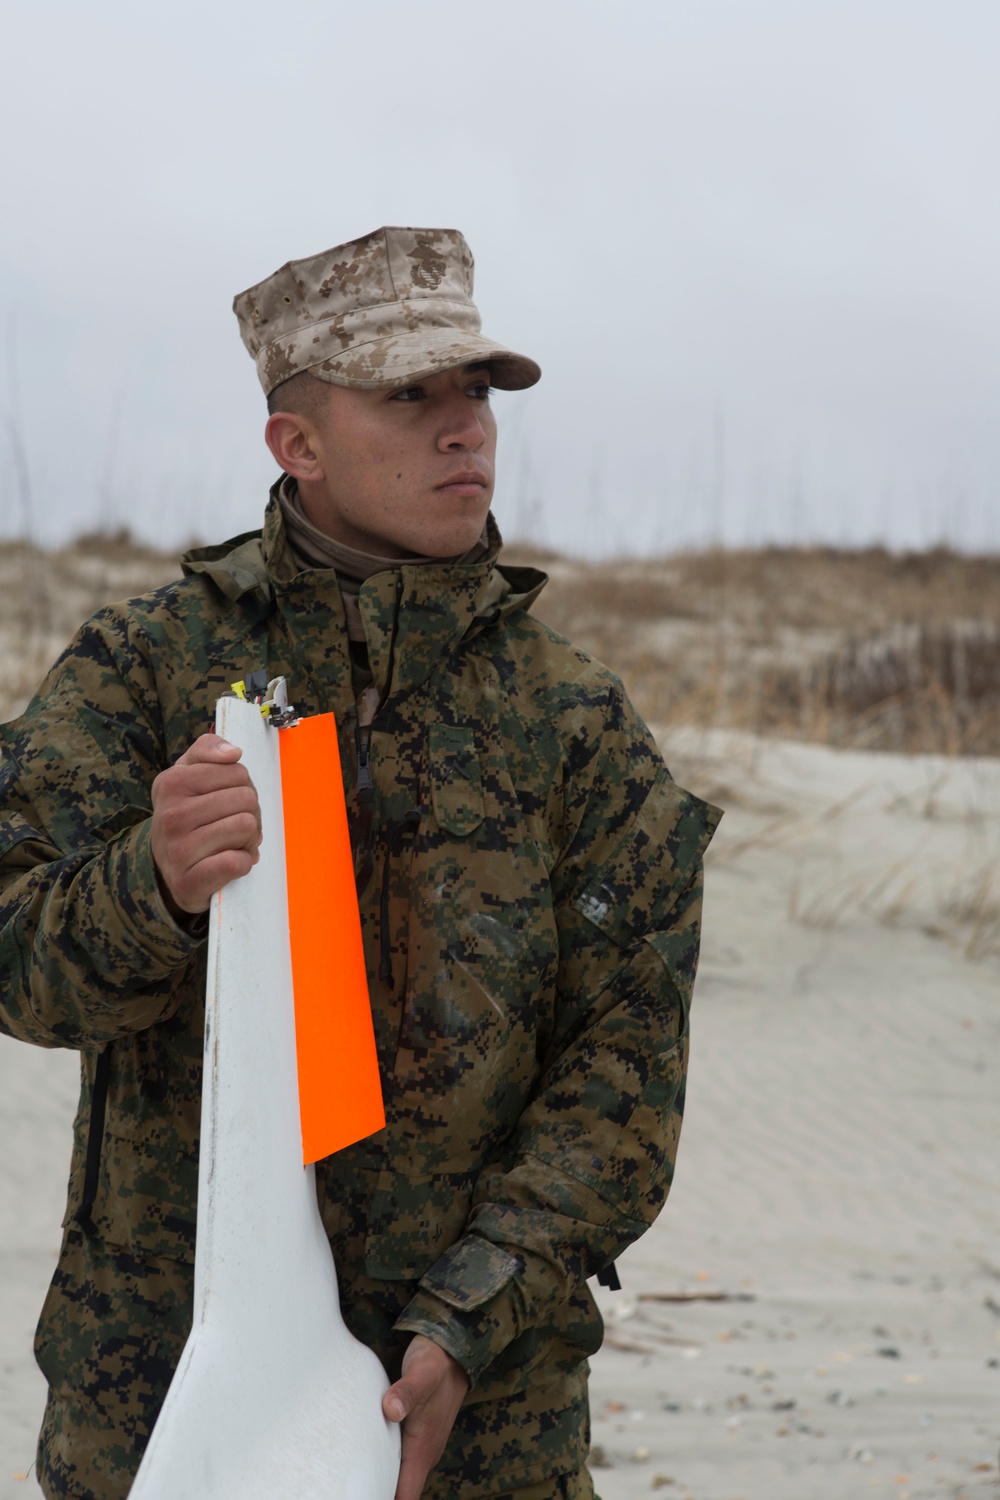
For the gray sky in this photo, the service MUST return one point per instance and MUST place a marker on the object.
(754, 245)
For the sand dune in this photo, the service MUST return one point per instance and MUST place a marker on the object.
(839, 1161)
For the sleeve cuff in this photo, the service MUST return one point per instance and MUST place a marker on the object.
(152, 941)
(470, 1303)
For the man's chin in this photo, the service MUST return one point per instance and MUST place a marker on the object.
(451, 539)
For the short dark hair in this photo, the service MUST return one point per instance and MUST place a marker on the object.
(304, 394)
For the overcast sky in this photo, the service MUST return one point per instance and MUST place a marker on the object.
(754, 245)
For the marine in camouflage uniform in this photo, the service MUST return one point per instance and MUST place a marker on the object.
(530, 889)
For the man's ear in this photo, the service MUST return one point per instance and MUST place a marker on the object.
(291, 439)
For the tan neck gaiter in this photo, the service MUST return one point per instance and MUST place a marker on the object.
(312, 548)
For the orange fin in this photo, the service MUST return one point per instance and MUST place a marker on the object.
(340, 1091)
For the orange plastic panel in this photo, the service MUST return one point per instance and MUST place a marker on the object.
(340, 1092)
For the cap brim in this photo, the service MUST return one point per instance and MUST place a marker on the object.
(394, 361)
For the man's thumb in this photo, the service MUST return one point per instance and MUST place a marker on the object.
(396, 1401)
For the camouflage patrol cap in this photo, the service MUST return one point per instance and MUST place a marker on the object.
(391, 307)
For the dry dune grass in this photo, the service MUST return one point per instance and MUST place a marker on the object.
(45, 595)
(865, 649)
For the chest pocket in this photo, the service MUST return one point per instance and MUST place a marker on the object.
(456, 779)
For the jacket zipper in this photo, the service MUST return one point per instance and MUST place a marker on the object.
(365, 798)
(365, 785)
(363, 732)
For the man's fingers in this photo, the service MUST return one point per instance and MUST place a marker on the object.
(194, 893)
(425, 1399)
(183, 817)
(198, 776)
(199, 779)
(239, 832)
(206, 822)
(413, 1471)
(208, 748)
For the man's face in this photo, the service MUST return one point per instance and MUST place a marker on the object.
(405, 471)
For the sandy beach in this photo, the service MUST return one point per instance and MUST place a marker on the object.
(816, 1315)
(838, 1169)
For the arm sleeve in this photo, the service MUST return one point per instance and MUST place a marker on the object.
(88, 948)
(592, 1158)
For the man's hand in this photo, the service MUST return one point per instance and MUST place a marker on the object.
(425, 1398)
(206, 823)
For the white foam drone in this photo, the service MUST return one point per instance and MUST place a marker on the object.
(273, 1397)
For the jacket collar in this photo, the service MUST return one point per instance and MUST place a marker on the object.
(413, 616)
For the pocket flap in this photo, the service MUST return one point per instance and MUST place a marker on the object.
(456, 779)
(647, 874)
(15, 830)
(471, 1272)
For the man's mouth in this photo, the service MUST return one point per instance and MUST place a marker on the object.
(468, 481)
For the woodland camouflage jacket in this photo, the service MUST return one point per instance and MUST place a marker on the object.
(530, 885)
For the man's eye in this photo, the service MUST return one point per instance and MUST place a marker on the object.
(481, 391)
(411, 393)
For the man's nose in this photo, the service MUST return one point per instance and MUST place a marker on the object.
(463, 426)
